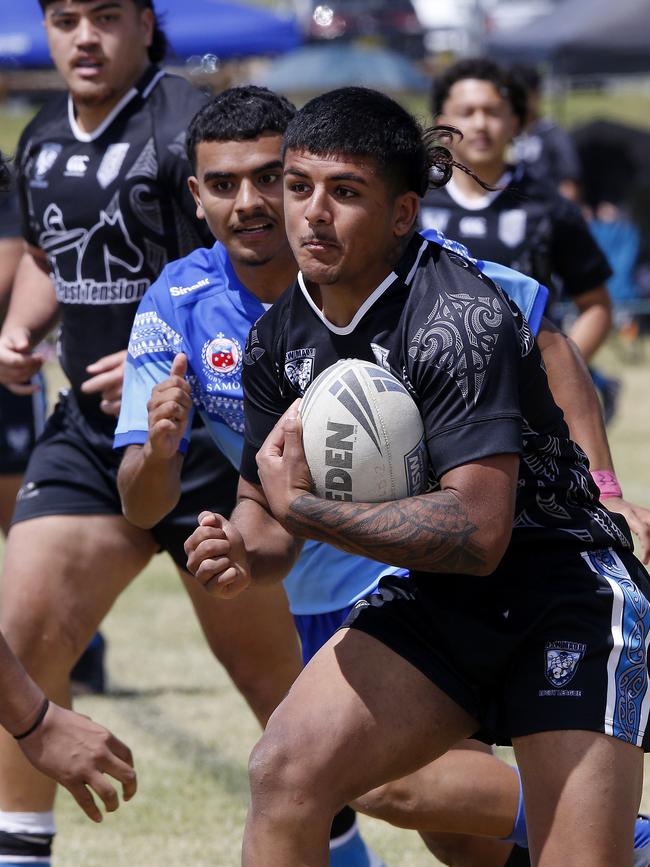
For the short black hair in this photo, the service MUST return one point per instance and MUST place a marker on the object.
(362, 122)
(159, 44)
(529, 76)
(482, 69)
(239, 114)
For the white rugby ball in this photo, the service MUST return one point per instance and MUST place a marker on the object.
(363, 435)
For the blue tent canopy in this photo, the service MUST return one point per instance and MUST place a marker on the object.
(194, 27)
(316, 68)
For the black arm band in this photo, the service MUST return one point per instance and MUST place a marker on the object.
(39, 719)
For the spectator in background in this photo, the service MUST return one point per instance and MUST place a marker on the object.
(545, 147)
(620, 240)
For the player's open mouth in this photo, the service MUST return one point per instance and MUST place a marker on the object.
(87, 66)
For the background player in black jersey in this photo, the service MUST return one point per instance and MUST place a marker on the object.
(103, 181)
(70, 748)
(525, 222)
(464, 644)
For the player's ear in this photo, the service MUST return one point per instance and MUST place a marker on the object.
(193, 184)
(147, 25)
(405, 213)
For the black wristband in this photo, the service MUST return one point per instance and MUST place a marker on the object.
(39, 719)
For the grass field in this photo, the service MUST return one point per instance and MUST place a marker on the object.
(190, 731)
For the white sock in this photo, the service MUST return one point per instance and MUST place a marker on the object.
(33, 823)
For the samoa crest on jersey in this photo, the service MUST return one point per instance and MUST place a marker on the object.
(222, 358)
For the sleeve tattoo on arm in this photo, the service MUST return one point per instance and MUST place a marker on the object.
(432, 533)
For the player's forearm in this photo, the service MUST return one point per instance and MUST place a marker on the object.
(149, 487)
(434, 532)
(271, 551)
(576, 396)
(21, 699)
(33, 304)
(591, 328)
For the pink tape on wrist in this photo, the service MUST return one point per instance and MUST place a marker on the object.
(607, 483)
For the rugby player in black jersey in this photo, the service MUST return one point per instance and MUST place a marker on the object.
(103, 180)
(524, 223)
(524, 603)
(67, 746)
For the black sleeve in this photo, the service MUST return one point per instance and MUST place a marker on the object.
(576, 257)
(175, 166)
(264, 402)
(26, 225)
(464, 365)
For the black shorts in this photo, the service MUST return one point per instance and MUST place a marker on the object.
(541, 649)
(73, 471)
(21, 421)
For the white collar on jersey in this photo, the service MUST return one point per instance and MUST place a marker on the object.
(472, 204)
(80, 135)
(367, 304)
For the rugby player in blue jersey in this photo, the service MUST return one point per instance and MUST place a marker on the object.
(186, 355)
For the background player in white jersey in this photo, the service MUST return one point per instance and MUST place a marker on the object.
(202, 307)
(341, 203)
(102, 176)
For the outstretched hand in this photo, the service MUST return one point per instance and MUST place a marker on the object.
(282, 465)
(638, 517)
(107, 377)
(169, 410)
(18, 364)
(216, 556)
(79, 753)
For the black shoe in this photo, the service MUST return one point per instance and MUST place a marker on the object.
(88, 677)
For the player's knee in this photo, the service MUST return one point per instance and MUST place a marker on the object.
(41, 644)
(283, 770)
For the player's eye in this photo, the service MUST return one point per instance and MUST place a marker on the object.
(222, 186)
(345, 193)
(108, 18)
(298, 187)
(269, 178)
(64, 22)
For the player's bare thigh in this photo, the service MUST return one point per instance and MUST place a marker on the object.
(61, 575)
(360, 715)
(582, 791)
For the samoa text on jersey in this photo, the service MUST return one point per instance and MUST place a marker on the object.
(470, 362)
(109, 208)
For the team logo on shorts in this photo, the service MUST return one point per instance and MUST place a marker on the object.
(299, 367)
(222, 355)
(562, 660)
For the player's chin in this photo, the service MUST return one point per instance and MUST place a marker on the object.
(323, 273)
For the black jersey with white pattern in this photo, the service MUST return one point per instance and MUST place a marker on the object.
(528, 226)
(109, 208)
(471, 364)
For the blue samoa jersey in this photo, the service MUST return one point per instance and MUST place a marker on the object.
(199, 307)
